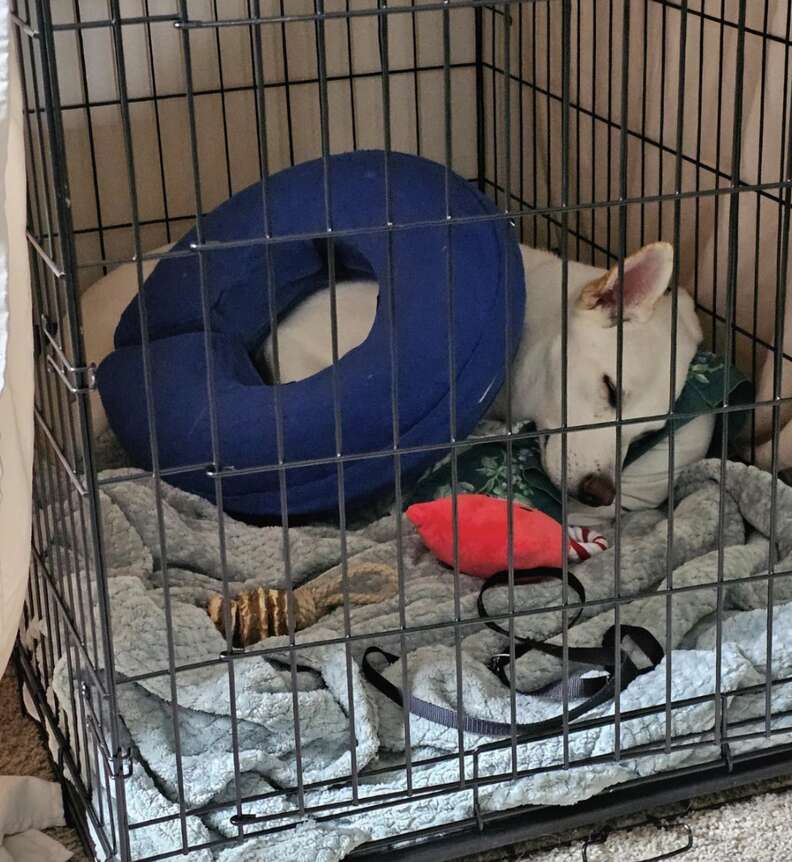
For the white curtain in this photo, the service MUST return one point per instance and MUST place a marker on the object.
(27, 804)
(16, 353)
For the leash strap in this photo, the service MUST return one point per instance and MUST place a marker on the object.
(596, 690)
(481, 726)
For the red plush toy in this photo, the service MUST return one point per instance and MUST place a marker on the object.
(483, 535)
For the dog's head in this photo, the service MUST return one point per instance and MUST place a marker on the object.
(643, 300)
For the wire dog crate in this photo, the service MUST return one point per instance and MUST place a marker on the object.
(596, 126)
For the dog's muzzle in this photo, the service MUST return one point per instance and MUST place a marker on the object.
(596, 490)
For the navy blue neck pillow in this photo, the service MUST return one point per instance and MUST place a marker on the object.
(249, 261)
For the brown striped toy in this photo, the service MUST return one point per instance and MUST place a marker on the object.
(263, 612)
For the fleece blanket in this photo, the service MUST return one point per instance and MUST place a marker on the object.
(324, 705)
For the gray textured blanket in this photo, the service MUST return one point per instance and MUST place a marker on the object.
(336, 707)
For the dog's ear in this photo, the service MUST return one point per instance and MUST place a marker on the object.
(646, 277)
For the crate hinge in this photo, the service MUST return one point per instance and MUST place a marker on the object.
(78, 379)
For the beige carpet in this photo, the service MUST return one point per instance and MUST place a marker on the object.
(756, 829)
(753, 823)
(22, 753)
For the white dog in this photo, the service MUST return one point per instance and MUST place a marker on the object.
(305, 347)
(593, 307)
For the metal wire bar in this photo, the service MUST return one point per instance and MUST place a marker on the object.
(89, 124)
(46, 259)
(644, 78)
(718, 153)
(393, 350)
(121, 84)
(51, 582)
(223, 104)
(697, 183)
(493, 48)
(481, 134)
(662, 111)
(335, 381)
(593, 155)
(758, 220)
(618, 458)
(155, 103)
(58, 405)
(566, 72)
(350, 54)
(113, 21)
(452, 372)
(675, 287)
(731, 297)
(61, 187)
(286, 80)
(534, 124)
(507, 364)
(782, 264)
(262, 123)
(62, 650)
(42, 523)
(23, 26)
(217, 456)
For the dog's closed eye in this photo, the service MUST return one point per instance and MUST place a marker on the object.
(610, 386)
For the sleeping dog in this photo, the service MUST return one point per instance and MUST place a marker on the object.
(595, 298)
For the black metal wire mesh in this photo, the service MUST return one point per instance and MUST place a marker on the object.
(142, 116)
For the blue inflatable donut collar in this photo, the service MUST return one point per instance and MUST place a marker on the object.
(480, 257)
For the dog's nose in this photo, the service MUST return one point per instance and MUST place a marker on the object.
(596, 490)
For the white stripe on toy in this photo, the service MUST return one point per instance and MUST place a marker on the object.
(584, 543)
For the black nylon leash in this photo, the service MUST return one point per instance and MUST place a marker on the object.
(596, 690)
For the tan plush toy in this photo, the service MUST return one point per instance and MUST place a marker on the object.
(263, 612)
